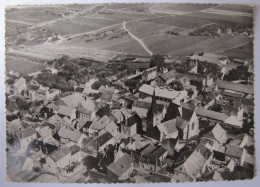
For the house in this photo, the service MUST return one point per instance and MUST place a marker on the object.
(217, 134)
(58, 160)
(24, 138)
(168, 130)
(86, 111)
(121, 169)
(163, 95)
(19, 85)
(210, 58)
(142, 107)
(187, 168)
(153, 159)
(67, 111)
(158, 178)
(24, 163)
(167, 78)
(236, 153)
(98, 144)
(72, 100)
(211, 115)
(149, 74)
(235, 87)
(66, 135)
(45, 133)
(129, 126)
(186, 121)
(97, 125)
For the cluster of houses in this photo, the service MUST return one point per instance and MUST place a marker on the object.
(154, 134)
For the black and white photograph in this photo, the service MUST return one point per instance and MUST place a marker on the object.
(129, 93)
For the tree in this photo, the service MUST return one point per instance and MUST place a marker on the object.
(157, 60)
(103, 111)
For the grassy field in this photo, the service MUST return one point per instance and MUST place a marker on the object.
(145, 28)
(22, 66)
(80, 25)
(184, 21)
(222, 19)
(168, 44)
(185, 7)
(235, 8)
(213, 45)
(244, 52)
(31, 15)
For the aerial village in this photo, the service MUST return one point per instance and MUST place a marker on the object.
(132, 120)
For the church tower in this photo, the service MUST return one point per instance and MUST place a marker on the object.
(153, 115)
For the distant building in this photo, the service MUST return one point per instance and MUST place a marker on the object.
(19, 85)
(121, 169)
(149, 74)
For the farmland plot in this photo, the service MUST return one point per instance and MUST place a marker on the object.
(184, 21)
(244, 51)
(213, 45)
(168, 44)
(31, 15)
(22, 65)
(80, 25)
(144, 28)
(185, 7)
(235, 8)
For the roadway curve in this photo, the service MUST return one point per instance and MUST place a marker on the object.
(138, 40)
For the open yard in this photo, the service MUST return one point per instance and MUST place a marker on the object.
(22, 65)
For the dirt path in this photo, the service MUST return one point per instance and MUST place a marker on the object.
(221, 51)
(138, 40)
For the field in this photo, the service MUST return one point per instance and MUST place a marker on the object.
(146, 28)
(80, 25)
(182, 21)
(30, 15)
(244, 51)
(22, 65)
(101, 31)
(235, 8)
(184, 7)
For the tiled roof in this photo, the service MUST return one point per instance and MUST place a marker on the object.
(67, 111)
(211, 114)
(168, 127)
(243, 88)
(60, 153)
(217, 133)
(234, 151)
(186, 113)
(25, 133)
(161, 92)
(159, 152)
(121, 165)
(146, 105)
(19, 82)
(67, 133)
(73, 100)
(156, 177)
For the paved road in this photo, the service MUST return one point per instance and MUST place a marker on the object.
(138, 40)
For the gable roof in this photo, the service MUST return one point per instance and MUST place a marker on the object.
(67, 133)
(211, 114)
(72, 100)
(25, 133)
(121, 165)
(159, 152)
(168, 127)
(248, 89)
(60, 153)
(217, 133)
(156, 177)
(186, 113)
(234, 151)
(67, 111)
(19, 82)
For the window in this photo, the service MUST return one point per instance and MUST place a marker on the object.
(192, 126)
